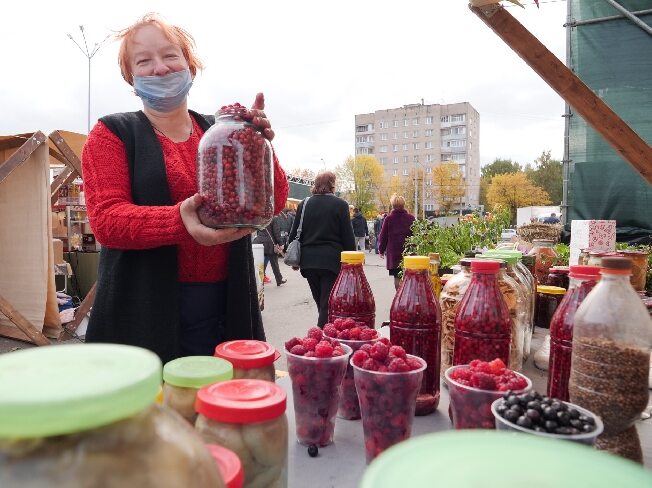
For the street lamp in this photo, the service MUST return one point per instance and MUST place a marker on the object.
(89, 55)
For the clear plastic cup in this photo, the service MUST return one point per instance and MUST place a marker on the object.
(387, 404)
(587, 438)
(470, 408)
(316, 388)
(349, 407)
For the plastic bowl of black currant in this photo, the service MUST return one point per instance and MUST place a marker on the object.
(532, 413)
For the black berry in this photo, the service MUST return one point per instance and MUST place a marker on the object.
(524, 422)
(313, 450)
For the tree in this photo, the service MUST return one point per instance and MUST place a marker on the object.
(305, 173)
(547, 173)
(448, 185)
(515, 190)
(415, 177)
(389, 186)
(484, 186)
(359, 179)
(500, 167)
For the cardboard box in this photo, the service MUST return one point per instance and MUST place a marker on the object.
(57, 245)
(598, 235)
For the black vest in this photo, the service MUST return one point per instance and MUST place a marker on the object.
(137, 299)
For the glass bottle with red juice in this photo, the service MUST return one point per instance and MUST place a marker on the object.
(415, 325)
(582, 281)
(483, 328)
(351, 296)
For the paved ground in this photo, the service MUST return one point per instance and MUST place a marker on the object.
(290, 309)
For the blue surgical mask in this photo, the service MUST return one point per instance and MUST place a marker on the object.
(163, 93)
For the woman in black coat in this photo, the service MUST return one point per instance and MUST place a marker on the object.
(326, 232)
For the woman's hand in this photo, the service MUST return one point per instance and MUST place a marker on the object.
(256, 116)
(202, 234)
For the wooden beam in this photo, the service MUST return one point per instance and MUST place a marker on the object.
(627, 143)
(25, 326)
(21, 155)
(66, 151)
(66, 177)
(83, 309)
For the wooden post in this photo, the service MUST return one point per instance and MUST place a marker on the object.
(24, 325)
(631, 147)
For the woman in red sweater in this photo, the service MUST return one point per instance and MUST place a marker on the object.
(164, 278)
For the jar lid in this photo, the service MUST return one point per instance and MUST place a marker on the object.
(616, 265)
(559, 269)
(352, 257)
(485, 265)
(551, 290)
(543, 241)
(241, 401)
(509, 258)
(499, 259)
(602, 253)
(58, 390)
(632, 253)
(466, 262)
(416, 262)
(247, 354)
(197, 371)
(229, 465)
(584, 272)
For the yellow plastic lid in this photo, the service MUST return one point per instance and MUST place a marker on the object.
(551, 290)
(352, 257)
(416, 262)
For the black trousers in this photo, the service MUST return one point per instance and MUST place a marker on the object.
(202, 317)
(273, 259)
(321, 282)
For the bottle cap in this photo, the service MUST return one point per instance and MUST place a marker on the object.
(416, 262)
(485, 266)
(584, 272)
(352, 257)
(196, 371)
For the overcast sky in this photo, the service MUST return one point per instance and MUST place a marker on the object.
(318, 65)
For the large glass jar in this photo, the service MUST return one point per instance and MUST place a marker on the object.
(351, 296)
(235, 173)
(548, 299)
(545, 256)
(558, 276)
(611, 357)
(182, 377)
(83, 415)
(248, 417)
(415, 324)
(435, 261)
(450, 299)
(639, 268)
(582, 281)
(483, 327)
(250, 359)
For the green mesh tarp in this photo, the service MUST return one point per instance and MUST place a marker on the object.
(614, 58)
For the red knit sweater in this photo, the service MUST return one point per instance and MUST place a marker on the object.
(120, 224)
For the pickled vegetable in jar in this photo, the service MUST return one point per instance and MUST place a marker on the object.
(248, 417)
(545, 258)
(582, 281)
(483, 328)
(449, 301)
(250, 359)
(548, 299)
(351, 296)
(83, 415)
(415, 324)
(182, 377)
(435, 261)
(611, 357)
(558, 276)
(235, 173)
(639, 268)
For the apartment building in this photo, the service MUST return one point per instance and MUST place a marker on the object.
(421, 136)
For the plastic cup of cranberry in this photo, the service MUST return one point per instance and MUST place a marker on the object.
(475, 386)
(316, 365)
(387, 380)
(355, 335)
(532, 413)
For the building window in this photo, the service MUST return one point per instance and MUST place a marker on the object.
(395, 160)
(395, 147)
(405, 122)
(458, 130)
(405, 159)
(415, 121)
(383, 160)
(415, 159)
(370, 138)
(395, 172)
(362, 150)
(363, 128)
(395, 135)
(383, 137)
(428, 132)
(458, 118)
(428, 170)
(429, 206)
(429, 158)
(383, 149)
(395, 123)
(405, 147)
(428, 145)
(405, 172)
(445, 157)
(416, 146)
(445, 118)
(415, 133)
(383, 125)
(406, 135)
(458, 157)
(428, 182)
(455, 143)
(360, 139)
(428, 120)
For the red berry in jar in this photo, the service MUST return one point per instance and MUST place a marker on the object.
(235, 173)
(351, 297)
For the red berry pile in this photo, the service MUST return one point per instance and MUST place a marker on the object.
(355, 335)
(474, 387)
(235, 173)
(316, 365)
(387, 401)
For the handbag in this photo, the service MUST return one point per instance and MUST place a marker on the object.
(293, 251)
(278, 249)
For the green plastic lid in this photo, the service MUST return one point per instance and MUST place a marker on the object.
(197, 371)
(507, 252)
(55, 390)
(472, 459)
(510, 259)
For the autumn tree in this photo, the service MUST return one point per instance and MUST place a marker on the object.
(358, 179)
(389, 186)
(547, 173)
(515, 190)
(305, 173)
(448, 185)
(497, 167)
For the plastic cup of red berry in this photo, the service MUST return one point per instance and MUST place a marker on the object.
(387, 403)
(534, 414)
(474, 387)
(316, 387)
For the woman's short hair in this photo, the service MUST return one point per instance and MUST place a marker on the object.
(397, 201)
(174, 34)
(324, 183)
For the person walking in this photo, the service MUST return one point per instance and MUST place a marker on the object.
(284, 223)
(270, 238)
(396, 228)
(360, 229)
(378, 225)
(325, 232)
